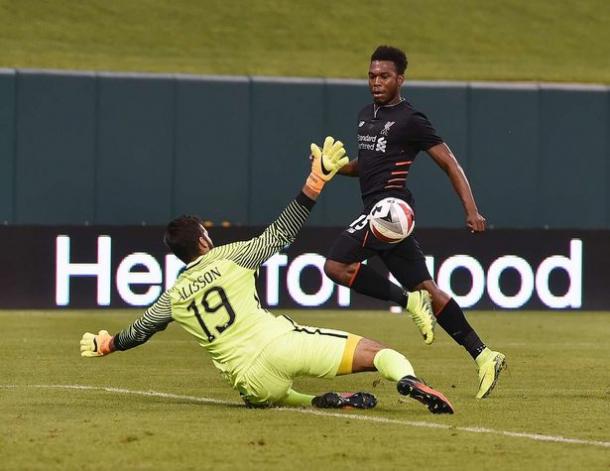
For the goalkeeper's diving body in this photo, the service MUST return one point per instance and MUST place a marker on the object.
(215, 300)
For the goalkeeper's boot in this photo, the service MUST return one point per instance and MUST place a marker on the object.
(436, 402)
(419, 305)
(333, 400)
(490, 365)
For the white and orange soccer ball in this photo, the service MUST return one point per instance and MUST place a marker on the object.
(391, 220)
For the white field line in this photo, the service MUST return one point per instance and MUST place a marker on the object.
(364, 418)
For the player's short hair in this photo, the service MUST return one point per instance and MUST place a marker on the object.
(392, 54)
(182, 237)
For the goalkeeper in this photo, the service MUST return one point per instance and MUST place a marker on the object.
(259, 354)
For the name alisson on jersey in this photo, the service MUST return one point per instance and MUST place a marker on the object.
(199, 283)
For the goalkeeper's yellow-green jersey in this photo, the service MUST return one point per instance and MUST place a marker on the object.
(215, 299)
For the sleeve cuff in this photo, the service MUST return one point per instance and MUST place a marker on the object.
(305, 200)
(115, 343)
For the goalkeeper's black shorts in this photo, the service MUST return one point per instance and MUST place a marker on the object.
(405, 260)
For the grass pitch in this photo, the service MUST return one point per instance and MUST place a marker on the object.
(542, 40)
(557, 386)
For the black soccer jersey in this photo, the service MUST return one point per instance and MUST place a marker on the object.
(389, 139)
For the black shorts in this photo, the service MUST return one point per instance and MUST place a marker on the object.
(405, 260)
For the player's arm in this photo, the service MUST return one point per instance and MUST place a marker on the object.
(154, 319)
(444, 158)
(325, 163)
(350, 169)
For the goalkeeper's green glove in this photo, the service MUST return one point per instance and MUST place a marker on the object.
(325, 163)
(92, 345)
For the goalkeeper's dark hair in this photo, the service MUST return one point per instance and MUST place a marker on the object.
(182, 237)
(392, 54)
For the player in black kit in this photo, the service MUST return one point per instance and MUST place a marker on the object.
(391, 132)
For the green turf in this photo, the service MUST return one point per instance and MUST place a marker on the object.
(557, 384)
(445, 39)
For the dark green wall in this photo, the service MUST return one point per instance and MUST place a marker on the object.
(206, 161)
(103, 148)
(55, 148)
(7, 144)
(574, 147)
(135, 150)
(503, 151)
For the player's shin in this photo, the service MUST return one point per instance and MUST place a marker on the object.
(393, 365)
(369, 282)
(452, 319)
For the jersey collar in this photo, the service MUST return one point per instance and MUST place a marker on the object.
(376, 107)
(194, 262)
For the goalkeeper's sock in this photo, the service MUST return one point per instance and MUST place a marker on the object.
(452, 319)
(367, 281)
(296, 399)
(392, 365)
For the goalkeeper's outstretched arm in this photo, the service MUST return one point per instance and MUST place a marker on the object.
(325, 163)
(154, 319)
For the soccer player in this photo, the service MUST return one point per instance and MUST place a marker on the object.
(391, 132)
(215, 300)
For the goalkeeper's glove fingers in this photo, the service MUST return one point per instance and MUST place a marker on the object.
(326, 162)
(331, 147)
(92, 345)
(330, 155)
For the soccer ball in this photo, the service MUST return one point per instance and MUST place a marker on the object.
(391, 220)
